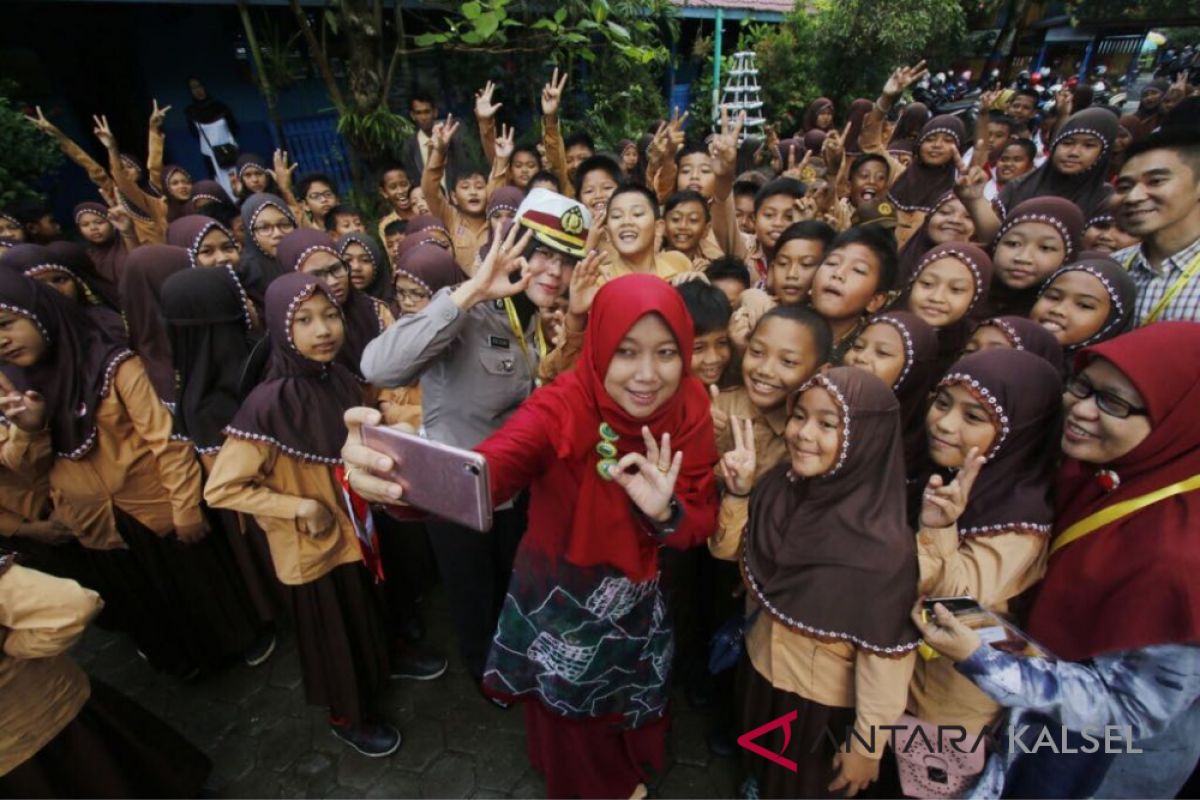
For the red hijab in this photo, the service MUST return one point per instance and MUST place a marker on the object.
(604, 529)
(1132, 583)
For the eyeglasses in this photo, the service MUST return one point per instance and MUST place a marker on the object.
(412, 295)
(332, 271)
(1107, 402)
(325, 195)
(262, 229)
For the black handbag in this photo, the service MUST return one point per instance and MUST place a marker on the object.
(226, 155)
(726, 646)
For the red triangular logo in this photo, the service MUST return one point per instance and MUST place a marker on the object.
(746, 740)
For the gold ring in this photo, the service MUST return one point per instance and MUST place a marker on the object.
(662, 469)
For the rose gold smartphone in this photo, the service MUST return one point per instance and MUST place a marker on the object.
(445, 481)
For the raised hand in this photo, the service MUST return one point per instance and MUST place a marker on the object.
(841, 216)
(120, 220)
(42, 124)
(157, 116)
(282, 170)
(1064, 101)
(652, 485)
(740, 462)
(443, 132)
(552, 94)
(492, 280)
(988, 99)
(834, 146)
(26, 410)
(103, 132)
(505, 142)
(723, 148)
(484, 107)
(903, 77)
(969, 184)
(942, 505)
(585, 282)
(795, 170)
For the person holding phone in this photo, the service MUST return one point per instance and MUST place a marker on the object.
(618, 454)
(476, 348)
(1118, 606)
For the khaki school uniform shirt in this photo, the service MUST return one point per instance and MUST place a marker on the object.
(41, 688)
(134, 465)
(25, 460)
(769, 446)
(258, 479)
(993, 569)
(835, 674)
(667, 264)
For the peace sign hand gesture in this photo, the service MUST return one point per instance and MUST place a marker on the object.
(740, 462)
(505, 144)
(903, 77)
(723, 149)
(157, 116)
(443, 132)
(942, 505)
(652, 485)
(585, 282)
(834, 146)
(103, 132)
(552, 94)
(795, 170)
(42, 124)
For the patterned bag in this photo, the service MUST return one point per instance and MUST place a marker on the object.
(925, 773)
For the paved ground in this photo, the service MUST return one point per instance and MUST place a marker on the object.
(265, 742)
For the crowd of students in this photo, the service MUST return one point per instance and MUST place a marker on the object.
(884, 359)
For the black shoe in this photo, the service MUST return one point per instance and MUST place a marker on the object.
(417, 667)
(374, 740)
(261, 650)
(721, 744)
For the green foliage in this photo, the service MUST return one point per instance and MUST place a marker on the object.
(378, 132)
(861, 41)
(27, 155)
(838, 48)
(1154, 11)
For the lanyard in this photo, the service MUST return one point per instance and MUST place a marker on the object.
(1118, 510)
(1188, 273)
(514, 322)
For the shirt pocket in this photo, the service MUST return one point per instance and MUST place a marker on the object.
(498, 362)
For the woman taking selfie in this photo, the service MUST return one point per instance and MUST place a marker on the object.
(1118, 607)
(619, 456)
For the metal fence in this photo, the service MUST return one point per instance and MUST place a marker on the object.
(314, 144)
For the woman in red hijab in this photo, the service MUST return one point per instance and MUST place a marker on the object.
(618, 454)
(1119, 605)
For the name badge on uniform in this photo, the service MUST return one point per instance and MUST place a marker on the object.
(499, 342)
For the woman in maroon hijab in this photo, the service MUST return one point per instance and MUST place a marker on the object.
(1119, 606)
(619, 454)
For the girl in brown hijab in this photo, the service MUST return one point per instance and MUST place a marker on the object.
(995, 420)
(1016, 333)
(818, 116)
(830, 517)
(41, 264)
(106, 247)
(145, 272)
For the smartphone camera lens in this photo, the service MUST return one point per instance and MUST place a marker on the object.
(472, 468)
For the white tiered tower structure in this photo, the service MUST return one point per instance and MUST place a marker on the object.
(742, 93)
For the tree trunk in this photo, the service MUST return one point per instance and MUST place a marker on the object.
(264, 85)
(360, 21)
(318, 55)
(1006, 43)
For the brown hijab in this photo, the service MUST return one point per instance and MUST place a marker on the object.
(1022, 394)
(921, 185)
(147, 269)
(832, 557)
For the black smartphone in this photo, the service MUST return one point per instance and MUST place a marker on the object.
(957, 605)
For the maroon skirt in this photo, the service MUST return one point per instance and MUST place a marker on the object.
(341, 639)
(592, 758)
(810, 745)
(113, 748)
